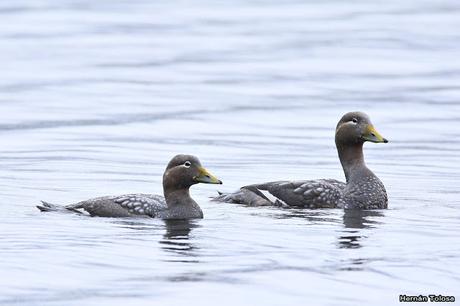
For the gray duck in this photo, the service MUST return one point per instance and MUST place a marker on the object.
(362, 189)
(182, 172)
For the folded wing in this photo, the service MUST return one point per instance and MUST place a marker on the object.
(122, 206)
(325, 193)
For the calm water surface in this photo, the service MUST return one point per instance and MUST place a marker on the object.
(97, 96)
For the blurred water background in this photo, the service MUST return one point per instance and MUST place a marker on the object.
(97, 96)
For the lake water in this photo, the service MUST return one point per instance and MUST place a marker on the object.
(97, 96)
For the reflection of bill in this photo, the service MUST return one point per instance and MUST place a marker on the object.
(425, 298)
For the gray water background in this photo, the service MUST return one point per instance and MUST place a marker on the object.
(97, 96)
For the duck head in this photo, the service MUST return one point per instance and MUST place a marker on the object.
(356, 128)
(183, 171)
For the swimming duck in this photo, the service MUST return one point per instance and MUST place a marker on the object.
(182, 172)
(362, 190)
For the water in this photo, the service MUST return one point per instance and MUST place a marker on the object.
(97, 96)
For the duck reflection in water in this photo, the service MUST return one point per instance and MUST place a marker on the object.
(177, 239)
(354, 221)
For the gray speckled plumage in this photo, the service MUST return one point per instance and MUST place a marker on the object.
(362, 190)
(182, 172)
(308, 194)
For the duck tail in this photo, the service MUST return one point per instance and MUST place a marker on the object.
(45, 207)
(228, 197)
(49, 207)
(249, 195)
(220, 197)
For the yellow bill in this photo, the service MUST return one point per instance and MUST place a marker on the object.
(205, 177)
(372, 135)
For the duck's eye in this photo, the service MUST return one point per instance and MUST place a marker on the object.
(187, 164)
(354, 120)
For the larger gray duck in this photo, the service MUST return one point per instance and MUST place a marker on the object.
(362, 190)
(182, 172)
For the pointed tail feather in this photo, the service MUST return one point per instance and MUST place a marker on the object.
(45, 207)
(248, 195)
(223, 197)
(49, 207)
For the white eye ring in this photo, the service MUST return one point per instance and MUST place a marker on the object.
(187, 164)
(354, 120)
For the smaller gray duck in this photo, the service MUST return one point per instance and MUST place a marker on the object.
(362, 190)
(182, 172)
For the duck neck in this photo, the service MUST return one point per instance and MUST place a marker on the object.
(176, 197)
(352, 160)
